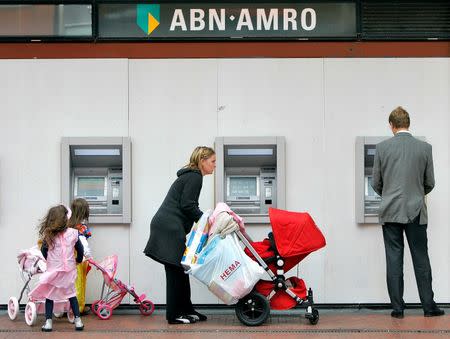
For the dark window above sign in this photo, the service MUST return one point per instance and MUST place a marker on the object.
(405, 19)
(46, 20)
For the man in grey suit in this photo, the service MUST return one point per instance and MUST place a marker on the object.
(402, 175)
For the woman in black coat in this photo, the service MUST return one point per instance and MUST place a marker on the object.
(168, 230)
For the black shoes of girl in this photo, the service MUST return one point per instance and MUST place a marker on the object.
(189, 318)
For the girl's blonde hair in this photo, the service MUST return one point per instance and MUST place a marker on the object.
(199, 153)
(80, 212)
(53, 223)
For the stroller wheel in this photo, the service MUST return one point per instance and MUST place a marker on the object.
(104, 312)
(146, 307)
(30, 313)
(95, 305)
(253, 309)
(70, 316)
(313, 317)
(13, 308)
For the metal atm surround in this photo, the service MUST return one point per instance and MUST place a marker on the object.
(269, 175)
(113, 205)
(367, 205)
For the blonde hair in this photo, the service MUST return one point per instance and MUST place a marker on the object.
(399, 118)
(199, 153)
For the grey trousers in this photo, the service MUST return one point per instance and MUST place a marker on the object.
(394, 245)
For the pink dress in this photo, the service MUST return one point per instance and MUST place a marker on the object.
(58, 282)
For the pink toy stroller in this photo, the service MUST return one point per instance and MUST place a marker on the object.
(293, 237)
(116, 291)
(32, 263)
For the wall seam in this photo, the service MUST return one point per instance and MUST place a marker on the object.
(217, 97)
(324, 169)
(128, 131)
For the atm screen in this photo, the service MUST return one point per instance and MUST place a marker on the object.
(91, 186)
(243, 186)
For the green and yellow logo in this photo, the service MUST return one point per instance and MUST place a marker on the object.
(147, 17)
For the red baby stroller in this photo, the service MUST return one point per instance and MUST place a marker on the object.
(293, 237)
(115, 291)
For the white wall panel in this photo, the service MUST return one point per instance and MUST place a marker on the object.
(359, 95)
(41, 101)
(172, 110)
(270, 97)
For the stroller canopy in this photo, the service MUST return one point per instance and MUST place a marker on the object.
(295, 233)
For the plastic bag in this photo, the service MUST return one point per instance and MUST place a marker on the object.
(225, 268)
(196, 239)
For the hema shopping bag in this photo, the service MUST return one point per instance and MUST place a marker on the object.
(227, 271)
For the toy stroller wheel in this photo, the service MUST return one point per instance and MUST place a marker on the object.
(253, 309)
(314, 319)
(13, 308)
(58, 314)
(95, 305)
(30, 314)
(146, 307)
(104, 312)
(70, 316)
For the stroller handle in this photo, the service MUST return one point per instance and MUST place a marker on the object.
(95, 264)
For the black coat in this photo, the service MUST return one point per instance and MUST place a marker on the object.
(174, 218)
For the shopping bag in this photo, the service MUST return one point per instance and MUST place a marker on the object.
(224, 267)
(196, 239)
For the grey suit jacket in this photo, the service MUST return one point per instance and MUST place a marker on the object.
(402, 175)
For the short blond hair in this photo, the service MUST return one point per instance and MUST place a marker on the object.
(199, 153)
(399, 118)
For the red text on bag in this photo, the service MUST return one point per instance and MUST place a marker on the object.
(230, 270)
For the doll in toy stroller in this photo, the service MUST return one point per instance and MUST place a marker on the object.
(114, 290)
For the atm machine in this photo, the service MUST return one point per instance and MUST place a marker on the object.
(367, 200)
(250, 175)
(98, 170)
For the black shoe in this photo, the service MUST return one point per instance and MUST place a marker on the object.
(183, 319)
(397, 314)
(198, 316)
(85, 311)
(434, 313)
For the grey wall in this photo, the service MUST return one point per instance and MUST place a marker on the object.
(167, 107)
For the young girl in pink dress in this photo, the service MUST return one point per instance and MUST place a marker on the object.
(58, 246)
